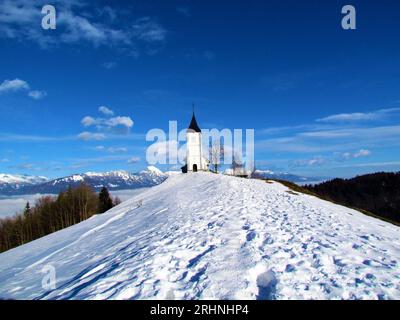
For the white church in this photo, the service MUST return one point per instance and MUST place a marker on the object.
(195, 160)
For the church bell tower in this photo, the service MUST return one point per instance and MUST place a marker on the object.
(195, 160)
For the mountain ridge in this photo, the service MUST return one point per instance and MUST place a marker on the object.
(268, 174)
(113, 180)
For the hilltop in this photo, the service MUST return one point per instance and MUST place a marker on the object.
(202, 235)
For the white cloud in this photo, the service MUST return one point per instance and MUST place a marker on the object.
(37, 94)
(327, 134)
(346, 155)
(148, 30)
(283, 129)
(333, 140)
(336, 157)
(108, 124)
(88, 136)
(81, 163)
(13, 85)
(21, 85)
(88, 121)
(133, 160)
(316, 161)
(79, 28)
(362, 153)
(109, 65)
(106, 111)
(313, 162)
(111, 149)
(120, 121)
(26, 166)
(119, 125)
(354, 155)
(4, 160)
(76, 22)
(376, 164)
(360, 116)
(348, 117)
(5, 137)
(117, 150)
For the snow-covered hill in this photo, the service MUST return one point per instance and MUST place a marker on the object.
(114, 180)
(203, 235)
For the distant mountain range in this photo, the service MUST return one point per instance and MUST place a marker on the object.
(12, 184)
(114, 180)
(267, 174)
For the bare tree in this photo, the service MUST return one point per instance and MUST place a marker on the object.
(117, 201)
(251, 167)
(216, 153)
(237, 165)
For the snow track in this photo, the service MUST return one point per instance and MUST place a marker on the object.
(206, 236)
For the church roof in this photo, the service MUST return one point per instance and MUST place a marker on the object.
(193, 125)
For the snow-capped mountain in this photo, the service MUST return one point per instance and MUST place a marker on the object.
(10, 183)
(267, 174)
(208, 236)
(114, 180)
(21, 179)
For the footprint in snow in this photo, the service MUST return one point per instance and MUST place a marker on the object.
(251, 235)
(290, 268)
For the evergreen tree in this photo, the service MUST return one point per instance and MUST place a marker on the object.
(378, 193)
(105, 201)
(27, 209)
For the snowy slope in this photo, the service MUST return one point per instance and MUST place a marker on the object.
(203, 235)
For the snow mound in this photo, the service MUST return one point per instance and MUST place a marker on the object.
(208, 236)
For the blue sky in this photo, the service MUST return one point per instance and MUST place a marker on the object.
(323, 101)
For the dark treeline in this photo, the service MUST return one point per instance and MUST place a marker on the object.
(50, 214)
(378, 193)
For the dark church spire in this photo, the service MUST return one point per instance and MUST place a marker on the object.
(193, 124)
